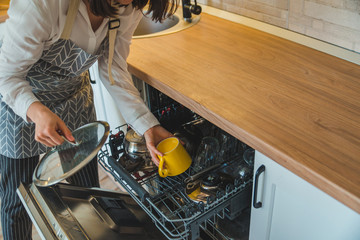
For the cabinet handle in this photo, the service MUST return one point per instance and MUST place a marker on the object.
(260, 170)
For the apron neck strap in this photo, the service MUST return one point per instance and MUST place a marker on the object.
(70, 18)
(114, 24)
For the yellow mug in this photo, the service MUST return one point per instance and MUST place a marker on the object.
(176, 159)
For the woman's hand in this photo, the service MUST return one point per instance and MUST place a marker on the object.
(153, 136)
(48, 126)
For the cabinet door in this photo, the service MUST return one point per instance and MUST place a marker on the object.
(105, 106)
(291, 208)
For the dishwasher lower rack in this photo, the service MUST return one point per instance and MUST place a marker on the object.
(165, 200)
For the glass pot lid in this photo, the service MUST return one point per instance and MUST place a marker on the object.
(66, 159)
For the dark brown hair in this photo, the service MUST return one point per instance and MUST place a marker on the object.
(160, 9)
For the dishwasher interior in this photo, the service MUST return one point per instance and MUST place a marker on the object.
(211, 200)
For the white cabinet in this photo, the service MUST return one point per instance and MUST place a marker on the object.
(106, 107)
(293, 209)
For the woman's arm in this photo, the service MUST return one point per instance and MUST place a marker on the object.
(132, 107)
(25, 34)
(27, 30)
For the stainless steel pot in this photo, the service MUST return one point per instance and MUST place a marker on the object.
(135, 144)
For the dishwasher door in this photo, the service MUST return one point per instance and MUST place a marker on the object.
(68, 212)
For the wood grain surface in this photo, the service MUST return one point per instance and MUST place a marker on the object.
(298, 106)
(4, 5)
(3, 15)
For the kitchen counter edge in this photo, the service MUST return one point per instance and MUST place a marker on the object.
(344, 196)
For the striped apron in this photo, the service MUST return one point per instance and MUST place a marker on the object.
(59, 82)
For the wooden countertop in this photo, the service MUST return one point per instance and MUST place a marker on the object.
(3, 15)
(3, 12)
(298, 106)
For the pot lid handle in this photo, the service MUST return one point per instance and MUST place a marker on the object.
(66, 159)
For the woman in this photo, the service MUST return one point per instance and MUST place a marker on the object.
(45, 93)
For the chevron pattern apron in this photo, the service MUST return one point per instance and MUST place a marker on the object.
(59, 82)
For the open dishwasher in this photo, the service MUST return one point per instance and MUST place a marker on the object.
(62, 211)
(210, 201)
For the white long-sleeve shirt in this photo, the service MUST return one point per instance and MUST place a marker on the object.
(33, 26)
